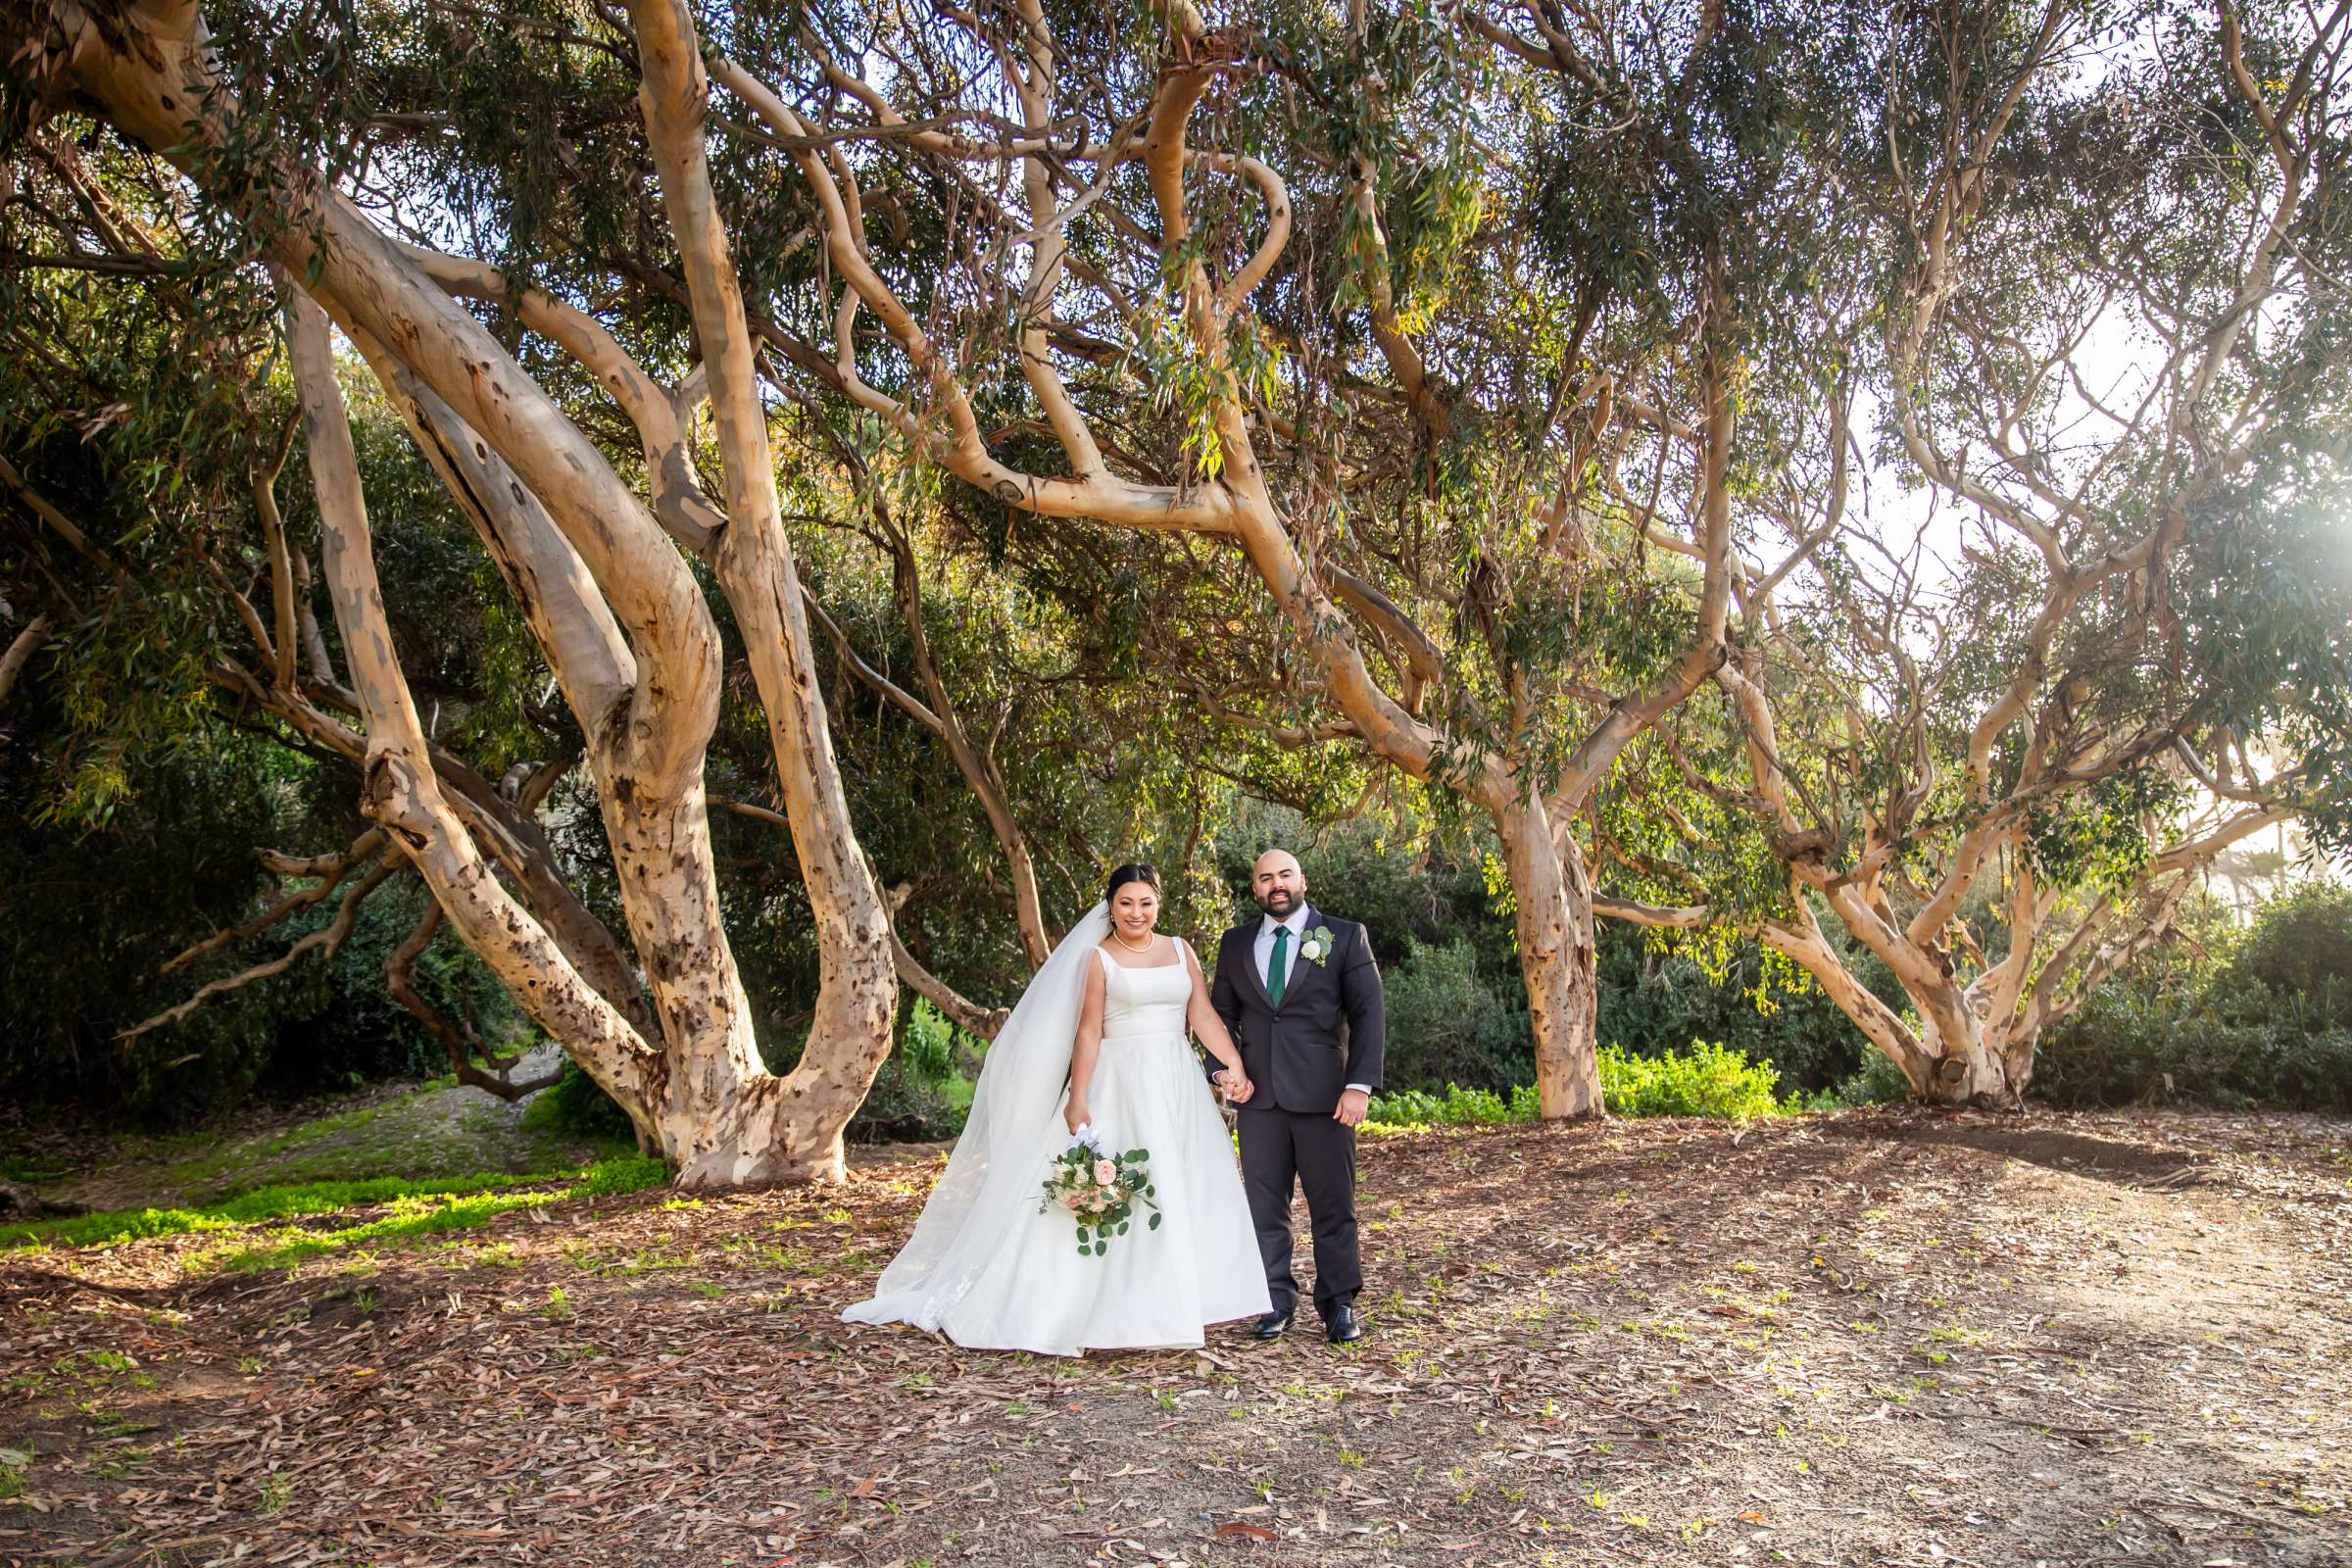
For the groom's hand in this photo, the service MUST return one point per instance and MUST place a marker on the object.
(1352, 1107)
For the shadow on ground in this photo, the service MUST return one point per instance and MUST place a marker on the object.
(1868, 1338)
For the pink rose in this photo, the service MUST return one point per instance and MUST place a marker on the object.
(1105, 1173)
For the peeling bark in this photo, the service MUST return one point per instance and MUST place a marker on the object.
(1551, 896)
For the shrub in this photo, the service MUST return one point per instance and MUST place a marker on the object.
(576, 1106)
(2269, 1025)
(1656, 999)
(921, 1093)
(2300, 944)
(342, 1029)
(1877, 1081)
(2232, 1045)
(1450, 1024)
(1707, 1080)
(172, 860)
(1455, 1107)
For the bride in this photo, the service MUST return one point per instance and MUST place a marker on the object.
(1107, 1014)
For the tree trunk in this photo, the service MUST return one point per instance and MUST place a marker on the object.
(399, 789)
(631, 639)
(1953, 1064)
(791, 1130)
(1551, 892)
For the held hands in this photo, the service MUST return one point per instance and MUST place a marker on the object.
(1352, 1107)
(1234, 1085)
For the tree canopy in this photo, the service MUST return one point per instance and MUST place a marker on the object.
(751, 507)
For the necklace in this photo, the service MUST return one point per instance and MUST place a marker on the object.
(1122, 941)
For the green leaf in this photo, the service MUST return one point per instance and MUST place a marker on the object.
(1154, 1223)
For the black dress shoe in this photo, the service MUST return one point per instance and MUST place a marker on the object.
(1272, 1325)
(1341, 1328)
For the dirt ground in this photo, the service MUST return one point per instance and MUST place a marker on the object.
(1870, 1339)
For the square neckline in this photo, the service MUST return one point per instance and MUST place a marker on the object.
(1103, 954)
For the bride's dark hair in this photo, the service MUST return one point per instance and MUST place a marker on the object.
(1130, 872)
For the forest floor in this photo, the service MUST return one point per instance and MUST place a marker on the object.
(1862, 1338)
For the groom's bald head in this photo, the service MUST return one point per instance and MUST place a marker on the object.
(1278, 883)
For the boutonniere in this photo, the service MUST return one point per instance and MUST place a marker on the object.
(1316, 948)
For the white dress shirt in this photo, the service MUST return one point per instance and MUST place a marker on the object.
(1264, 951)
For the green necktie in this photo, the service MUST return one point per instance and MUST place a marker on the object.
(1278, 969)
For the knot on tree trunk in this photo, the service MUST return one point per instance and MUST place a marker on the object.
(1811, 847)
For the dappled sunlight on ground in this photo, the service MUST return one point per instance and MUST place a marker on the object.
(1869, 1338)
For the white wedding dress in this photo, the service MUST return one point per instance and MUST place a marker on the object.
(989, 1270)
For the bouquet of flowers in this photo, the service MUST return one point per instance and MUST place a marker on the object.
(1101, 1189)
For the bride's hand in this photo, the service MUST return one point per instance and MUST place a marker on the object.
(1237, 1085)
(1076, 1114)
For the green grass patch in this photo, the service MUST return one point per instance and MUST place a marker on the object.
(418, 1206)
(389, 1139)
(624, 1173)
(207, 1162)
(409, 1217)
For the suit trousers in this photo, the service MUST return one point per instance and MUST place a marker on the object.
(1281, 1147)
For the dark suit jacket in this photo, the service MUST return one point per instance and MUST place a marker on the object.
(1329, 1031)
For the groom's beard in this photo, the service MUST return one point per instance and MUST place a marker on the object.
(1279, 903)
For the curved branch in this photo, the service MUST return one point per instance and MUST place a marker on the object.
(459, 1039)
(679, 503)
(328, 939)
(21, 650)
(330, 869)
(399, 788)
(961, 448)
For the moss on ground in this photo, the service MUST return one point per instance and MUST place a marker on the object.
(414, 1207)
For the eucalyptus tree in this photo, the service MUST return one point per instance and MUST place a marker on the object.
(2104, 319)
(1446, 346)
(605, 571)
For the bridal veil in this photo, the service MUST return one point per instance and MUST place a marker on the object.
(997, 1164)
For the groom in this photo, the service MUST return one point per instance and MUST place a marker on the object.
(1300, 995)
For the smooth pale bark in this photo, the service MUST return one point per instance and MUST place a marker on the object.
(622, 622)
(400, 792)
(792, 1128)
(570, 620)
